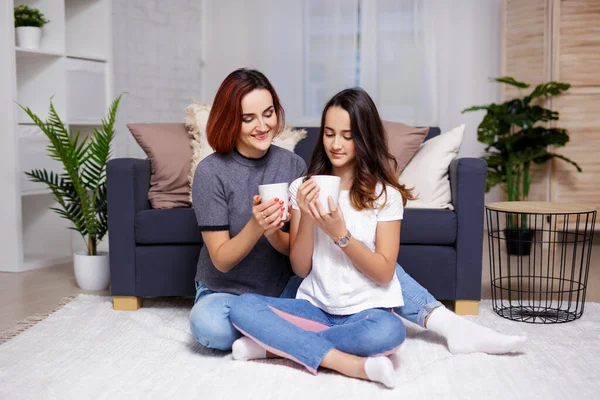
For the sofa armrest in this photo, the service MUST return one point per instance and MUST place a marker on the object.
(127, 185)
(467, 182)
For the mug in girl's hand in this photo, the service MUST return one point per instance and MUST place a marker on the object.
(329, 185)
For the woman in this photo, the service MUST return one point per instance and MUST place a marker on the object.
(245, 250)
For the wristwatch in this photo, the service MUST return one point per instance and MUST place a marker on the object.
(344, 240)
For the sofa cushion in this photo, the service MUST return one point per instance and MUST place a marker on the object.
(427, 172)
(403, 141)
(172, 226)
(428, 226)
(179, 226)
(168, 148)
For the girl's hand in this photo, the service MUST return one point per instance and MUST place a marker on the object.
(308, 193)
(332, 223)
(268, 215)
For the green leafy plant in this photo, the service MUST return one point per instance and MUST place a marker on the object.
(80, 189)
(517, 134)
(25, 16)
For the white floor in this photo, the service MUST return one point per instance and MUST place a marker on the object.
(88, 350)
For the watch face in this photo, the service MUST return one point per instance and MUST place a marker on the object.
(343, 242)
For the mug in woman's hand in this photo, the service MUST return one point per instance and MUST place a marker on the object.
(275, 190)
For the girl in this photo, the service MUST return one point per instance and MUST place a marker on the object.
(342, 316)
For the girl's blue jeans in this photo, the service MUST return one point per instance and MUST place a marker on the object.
(297, 330)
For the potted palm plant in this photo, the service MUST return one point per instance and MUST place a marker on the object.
(28, 26)
(517, 134)
(80, 189)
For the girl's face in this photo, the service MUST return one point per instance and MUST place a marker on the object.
(258, 124)
(337, 138)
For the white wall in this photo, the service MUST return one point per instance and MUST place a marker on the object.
(248, 34)
(157, 48)
(468, 50)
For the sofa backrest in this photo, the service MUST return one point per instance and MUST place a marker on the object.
(305, 147)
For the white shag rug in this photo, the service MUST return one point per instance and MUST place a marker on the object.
(86, 350)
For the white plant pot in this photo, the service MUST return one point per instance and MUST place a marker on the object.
(29, 37)
(92, 272)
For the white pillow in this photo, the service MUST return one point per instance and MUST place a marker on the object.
(427, 172)
(196, 117)
(289, 138)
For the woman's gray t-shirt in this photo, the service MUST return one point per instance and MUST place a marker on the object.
(223, 188)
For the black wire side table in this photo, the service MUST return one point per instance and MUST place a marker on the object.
(539, 259)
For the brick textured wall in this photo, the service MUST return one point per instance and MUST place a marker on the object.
(157, 50)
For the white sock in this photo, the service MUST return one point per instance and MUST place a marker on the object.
(464, 336)
(380, 369)
(245, 349)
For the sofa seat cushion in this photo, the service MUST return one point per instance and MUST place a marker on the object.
(428, 226)
(170, 226)
(179, 226)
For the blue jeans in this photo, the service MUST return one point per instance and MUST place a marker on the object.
(209, 318)
(418, 302)
(297, 330)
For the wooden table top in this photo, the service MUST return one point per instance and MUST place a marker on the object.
(540, 207)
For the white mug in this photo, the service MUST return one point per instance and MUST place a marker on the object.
(329, 185)
(275, 190)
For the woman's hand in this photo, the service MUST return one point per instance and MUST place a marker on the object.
(268, 215)
(332, 223)
(308, 193)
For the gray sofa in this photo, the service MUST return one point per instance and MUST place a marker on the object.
(154, 252)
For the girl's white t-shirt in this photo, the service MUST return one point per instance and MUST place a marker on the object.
(334, 284)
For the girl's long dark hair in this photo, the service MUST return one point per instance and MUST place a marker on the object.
(374, 162)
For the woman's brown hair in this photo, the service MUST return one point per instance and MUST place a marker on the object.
(225, 118)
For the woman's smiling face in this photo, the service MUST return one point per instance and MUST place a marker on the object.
(259, 122)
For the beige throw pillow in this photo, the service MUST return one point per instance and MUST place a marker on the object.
(404, 141)
(168, 148)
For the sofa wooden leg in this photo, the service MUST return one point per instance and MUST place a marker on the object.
(466, 307)
(127, 303)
